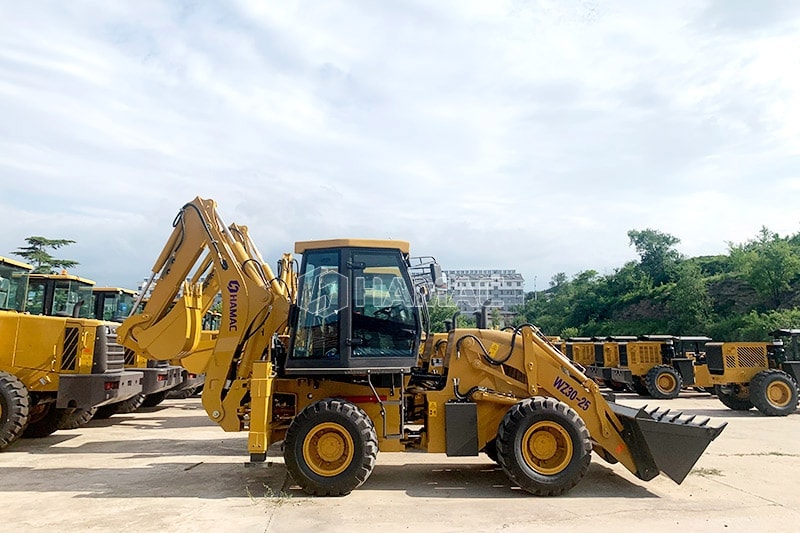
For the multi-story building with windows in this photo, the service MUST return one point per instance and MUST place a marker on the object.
(469, 289)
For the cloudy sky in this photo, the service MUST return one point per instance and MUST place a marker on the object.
(520, 134)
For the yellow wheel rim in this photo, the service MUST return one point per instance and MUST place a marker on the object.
(328, 449)
(547, 447)
(666, 382)
(779, 393)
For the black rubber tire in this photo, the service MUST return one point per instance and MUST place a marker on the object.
(181, 394)
(491, 450)
(544, 416)
(350, 429)
(663, 382)
(14, 409)
(106, 411)
(75, 418)
(152, 400)
(45, 423)
(130, 405)
(616, 386)
(639, 387)
(773, 392)
(731, 401)
(119, 408)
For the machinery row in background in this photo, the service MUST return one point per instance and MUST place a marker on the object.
(742, 375)
(60, 363)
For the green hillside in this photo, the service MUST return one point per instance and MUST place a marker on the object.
(741, 295)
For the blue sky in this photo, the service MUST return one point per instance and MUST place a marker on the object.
(521, 134)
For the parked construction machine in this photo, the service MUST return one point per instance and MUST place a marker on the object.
(160, 377)
(756, 374)
(52, 366)
(66, 294)
(333, 361)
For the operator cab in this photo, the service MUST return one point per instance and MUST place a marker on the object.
(112, 303)
(60, 295)
(356, 311)
(13, 284)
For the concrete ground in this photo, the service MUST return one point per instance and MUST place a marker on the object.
(170, 469)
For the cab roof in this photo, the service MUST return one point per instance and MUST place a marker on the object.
(114, 289)
(15, 263)
(302, 246)
(68, 277)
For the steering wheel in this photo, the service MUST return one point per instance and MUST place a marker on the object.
(391, 312)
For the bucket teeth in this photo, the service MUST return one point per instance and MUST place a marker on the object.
(676, 417)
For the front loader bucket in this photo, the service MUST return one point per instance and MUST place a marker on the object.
(664, 441)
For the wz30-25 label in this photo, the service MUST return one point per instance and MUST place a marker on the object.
(571, 394)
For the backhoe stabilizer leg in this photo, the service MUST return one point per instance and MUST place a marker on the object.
(664, 440)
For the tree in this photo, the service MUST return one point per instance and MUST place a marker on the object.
(689, 302)
(36, 254)
(658, 258)
(768, 262)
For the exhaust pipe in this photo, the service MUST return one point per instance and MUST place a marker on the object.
(664, 441)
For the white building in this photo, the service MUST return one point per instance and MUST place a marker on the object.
(469, 289)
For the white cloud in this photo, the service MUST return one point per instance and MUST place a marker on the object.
(528, 135)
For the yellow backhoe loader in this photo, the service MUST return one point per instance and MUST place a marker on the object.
(52, 366)
(333, 361)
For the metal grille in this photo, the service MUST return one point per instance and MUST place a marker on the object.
(69, 356)
(752, 356)
(644, 355)
(730, 361)
(116, 353)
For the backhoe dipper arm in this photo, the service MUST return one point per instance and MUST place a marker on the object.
(255, 306)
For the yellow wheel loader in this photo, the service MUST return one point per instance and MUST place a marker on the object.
(756, 374)
(332, 360)
(160, 377)
(52, 366)
(66, 294)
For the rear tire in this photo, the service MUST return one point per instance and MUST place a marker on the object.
(663, 382)
(617, 386)
(330, 448)
(773, 392)
(106, 411)
(639, 387)
(43, 421)
(731, 400)
(491, 450)
(152, 400)
(130, 405)
(75, 418)
(14, 409)
(543, 446)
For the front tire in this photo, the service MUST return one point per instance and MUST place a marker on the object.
(330, 448)
(14, 409)
(732, 400)
(663, 382)
(152, 400)
(43, 421)
(773, 393)
(75, 418)
(543, 446)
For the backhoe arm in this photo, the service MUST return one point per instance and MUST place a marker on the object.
(255, 304)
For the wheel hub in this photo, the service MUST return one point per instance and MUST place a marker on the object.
(328, 449)
(779, 394)
(547, 447)
(665, 382)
